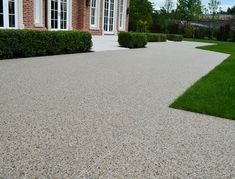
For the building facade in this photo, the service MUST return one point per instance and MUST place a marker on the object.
(96, 16)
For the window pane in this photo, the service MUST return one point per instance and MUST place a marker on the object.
(1, 14)
(11, 21)
(11, 11)
(11, 7)
(1, 20)
(1, 6)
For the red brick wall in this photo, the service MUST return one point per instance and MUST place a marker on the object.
(80, 16)
(77, 13)
(28, 13)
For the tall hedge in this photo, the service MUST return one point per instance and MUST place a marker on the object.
(132, 39)
(233, 37)
(28, 43)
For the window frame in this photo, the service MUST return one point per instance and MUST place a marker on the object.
(6, 14)
(68, 16)
(96, 17)
(38, 13)
(122, 25)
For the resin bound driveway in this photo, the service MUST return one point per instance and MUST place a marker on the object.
(106, 115)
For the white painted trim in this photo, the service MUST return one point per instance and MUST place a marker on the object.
(38, 19)
(115, 17)
(102, 23)
(70, 15)
(124, 16)
(97, 25)
(20, 15)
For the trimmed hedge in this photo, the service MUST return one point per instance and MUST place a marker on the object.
(233, 37)
(154, 37)
(29, 43)
(174, 37)
(132, 39)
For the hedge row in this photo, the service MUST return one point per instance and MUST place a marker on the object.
(153, 37)
(174, 37)
(28, 43)
(132, 39)
(233, 38)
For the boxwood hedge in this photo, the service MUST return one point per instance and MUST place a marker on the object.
(28, 43)
(174, 37)
(132, 39)
(154, 37)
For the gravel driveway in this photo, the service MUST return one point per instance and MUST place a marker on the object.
(106, 115)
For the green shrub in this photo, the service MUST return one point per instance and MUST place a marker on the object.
(154, 37)
(224, 33)
(132, 40)
(233, 36)
(28, 43)
(174, 37)
(202, 33)
(188, 32)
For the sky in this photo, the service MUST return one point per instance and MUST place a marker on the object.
(225, 4)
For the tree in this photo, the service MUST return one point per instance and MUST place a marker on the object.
(213, 10)
(214, 7)
(231, 10)
(164, 15)
(168, 6)
(140, 15)
(189, 9)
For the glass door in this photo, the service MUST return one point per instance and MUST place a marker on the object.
(59, 14)
(109, 16)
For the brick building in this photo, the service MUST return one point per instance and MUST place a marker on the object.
(97, 16)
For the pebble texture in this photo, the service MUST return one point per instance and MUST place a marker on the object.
(106, 115)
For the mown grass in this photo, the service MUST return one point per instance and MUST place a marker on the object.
(213, 94)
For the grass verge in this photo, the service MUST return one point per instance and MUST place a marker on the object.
(213, 94)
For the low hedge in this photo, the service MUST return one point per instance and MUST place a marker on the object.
(28, 43)
(154, 37)
(132, 39)
(174, 37)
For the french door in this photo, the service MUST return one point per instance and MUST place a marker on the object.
(58, 12)
(109, 8)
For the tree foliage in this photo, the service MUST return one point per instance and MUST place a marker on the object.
(213, 6)
(189, 9)
(231, 10)
(168, 6)
(140, 15)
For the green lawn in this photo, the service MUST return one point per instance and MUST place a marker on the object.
(213, 94)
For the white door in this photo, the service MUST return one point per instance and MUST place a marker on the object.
(109, 16)
(58, 13)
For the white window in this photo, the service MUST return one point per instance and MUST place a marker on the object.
(59, 14)
(94, 13)
(8, 14)
(122, 15)
(38, 18)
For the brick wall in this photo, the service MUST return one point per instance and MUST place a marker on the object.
(80, 16)
(28, 13)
